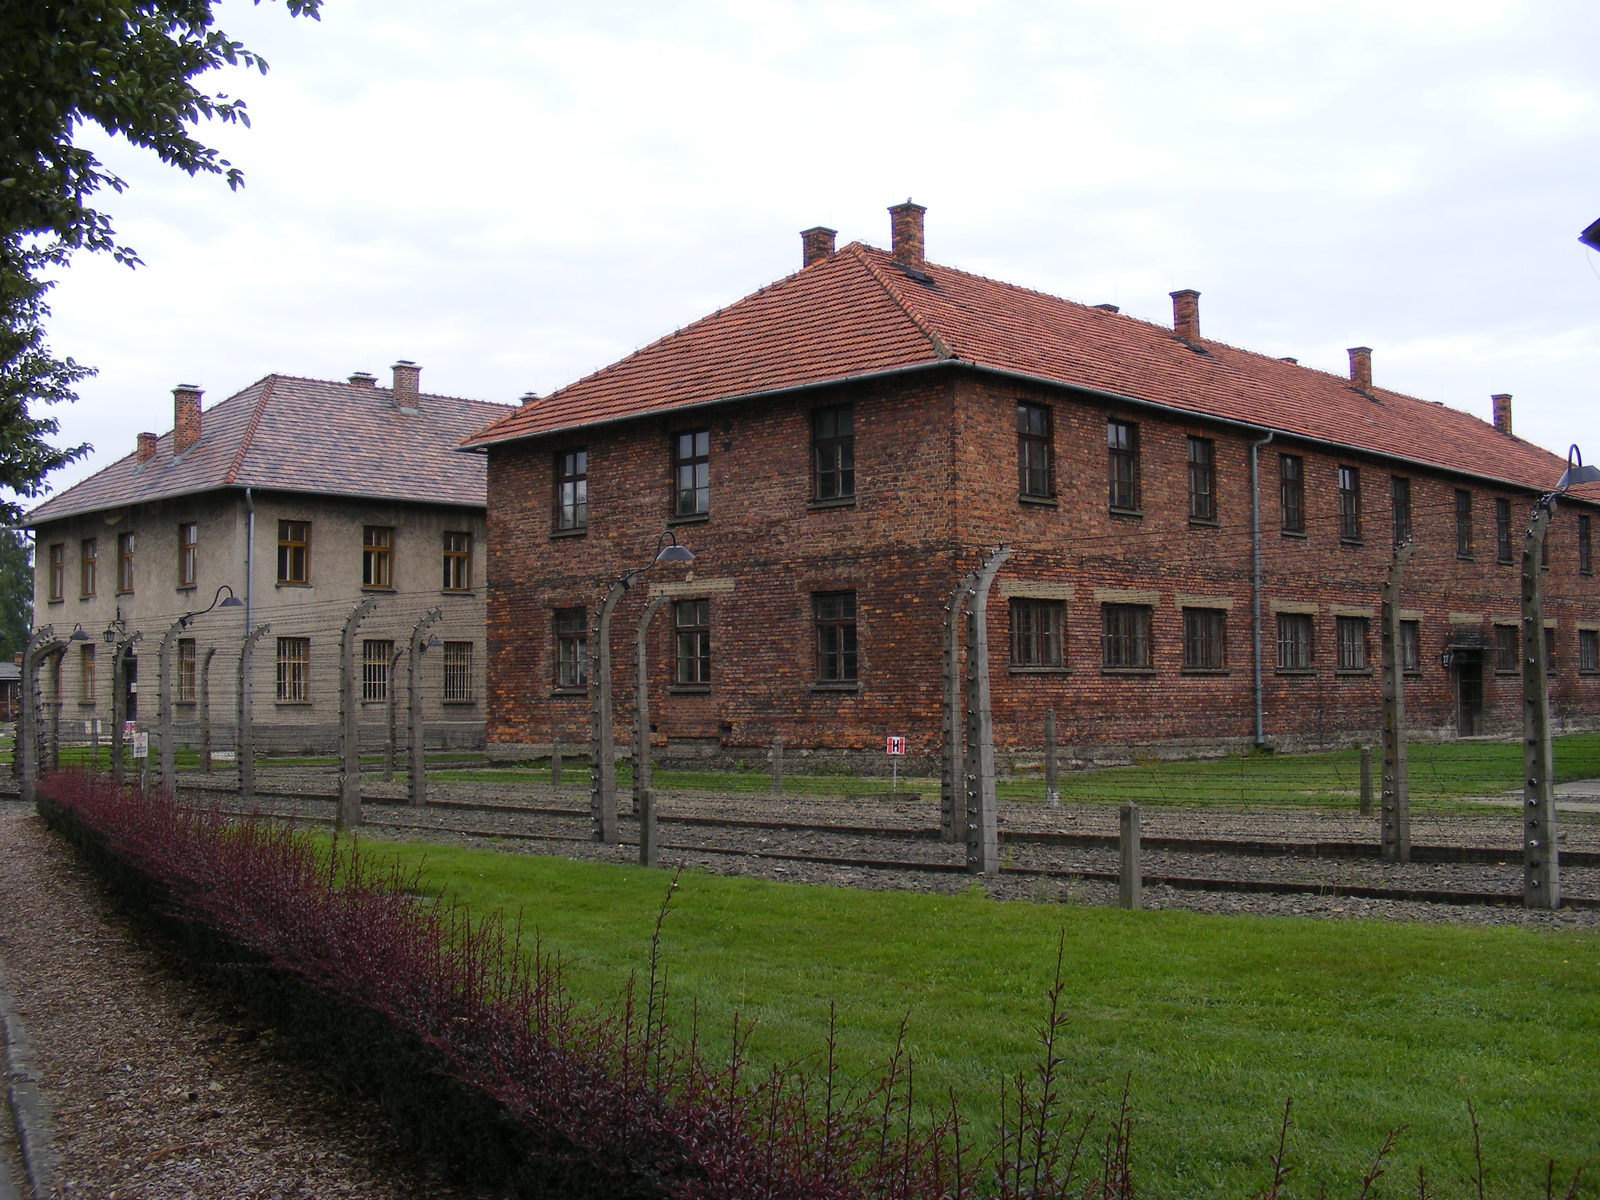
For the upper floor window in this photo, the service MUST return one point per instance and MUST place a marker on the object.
(572, 647)
(1295, 641)
(457, 672)
(124, 564)
(1351, 638)
(186, 671)
(691, 473)
(188, 554)
(692, 619)
(1122, 453)
(1507, 648)
(58, 570)
(833, 453)
(377, 556)
(377, 655)
(1125, 636)
(1033, 451)
(572, 489)
(1292, 492)
(1205, 639)
(1463, 523)
(1202, 479)
(1349, 504)
(294, 552)
(88, 560)
(1502, 529)
(1036, 627)
(1400, 507)
(835, 614)
(1585, 546)
(458, 562)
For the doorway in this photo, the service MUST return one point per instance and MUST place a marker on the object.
(1469, 693)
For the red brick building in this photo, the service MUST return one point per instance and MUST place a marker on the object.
(840, 446)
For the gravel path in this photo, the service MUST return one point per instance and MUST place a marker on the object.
(155, 1092)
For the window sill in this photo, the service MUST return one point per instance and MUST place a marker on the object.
(1505, 674)
(286, 583)
(1204, 523)
(1147, 671)
(839, 502)
(568, 533)
(85, 703)
(182, 587)
(365, 587)
(1206, 671)
(183, 703)
(1136, 514)
(57, 600)
(1294, 535)
(129, 592)
(459, 703)
(374, 704)
(1588, 674)
(1039, 501)
(1354, 543)
(836, 689)
(457, 592)
(91, 596)
(1466, 557)
(1505, 562)
(1019, 670)
(569, 692)
(690, 519)
(1412, 674)
(1362, 673)
(1295, 671)
(689, 689)
(291, 704)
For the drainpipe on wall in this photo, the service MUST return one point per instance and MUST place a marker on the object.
(1255, 578)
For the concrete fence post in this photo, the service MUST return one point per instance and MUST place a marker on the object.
(1052, 794)
(119, 705)
(641, 707)
(777, 766)
(244, 729)
(349, 813)
(952, 723)
(555, 763)
(57, 659)
(1396, 784)
(416, 755)
(205, 710)
(1366, 781)
(391, 738)
(983, 834)
(602, 733)
(1130, 870)
(167, 772)
(41, 644)
(647, 827)
(1541, 860)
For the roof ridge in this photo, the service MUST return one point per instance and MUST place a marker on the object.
(249, 431)
(940, 348)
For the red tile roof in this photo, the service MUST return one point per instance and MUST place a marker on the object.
(304, 435)
(859, 313)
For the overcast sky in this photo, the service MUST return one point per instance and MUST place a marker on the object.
(514, 194)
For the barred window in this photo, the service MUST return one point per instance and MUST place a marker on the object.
(1205, 639)
(294, 552)
(1033, 451)
(691, 473)
(692, 619)
(377, 556)
(1507, 649)
(186, 671)
(377, 657)
(1036, 629)
(1464, 545)
(1350, 504)
(1352, 633)
(572, 489)
(1122, 455)
(294, 669)
(458, 562)
(833, 452)
(1411, 646)
(1588, 650)
(1295, 641)
(1400, 507)
(835, 615)
(572, 647)
(1292, 492)
(1502, 529)
(457, 671)
(188, 554)
(1125, 636)
(1202, 479)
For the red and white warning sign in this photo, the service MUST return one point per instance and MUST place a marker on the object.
(897, 745)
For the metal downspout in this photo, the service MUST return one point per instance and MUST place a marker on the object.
(1255, 579)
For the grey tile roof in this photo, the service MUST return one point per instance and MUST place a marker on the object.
(304, 435)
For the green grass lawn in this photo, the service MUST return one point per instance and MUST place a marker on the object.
(1367, 1025)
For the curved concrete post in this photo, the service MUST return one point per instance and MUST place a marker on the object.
(416, 758)
(641, 705)
(167, 771)
(205, 709)
(40, 646)
(952, 781)
(1541, 860)
(349, 812)
(983, 838)
(244, 751)
(602, 751)
(1396, 783)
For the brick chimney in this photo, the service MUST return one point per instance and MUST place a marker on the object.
(147, 447)
(905, 227)
(1502, 413)
(816, 244)
(1186, 314)
(364, 379)
(185, 417)
(529, 398)
(1361, 368)
(407, 378)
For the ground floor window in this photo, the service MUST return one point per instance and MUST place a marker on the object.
(86, 662)
(1411, 646)
(376, 657)
(457, 671)
(186, 671)
(1205, 639)
(1507, 648)
(837, 660)
(1036, 629)
(1295, 641)
(1589, 650)
(572, 647)
(294, 669)
(1125, 636)
(692, 619)
(1352, 634)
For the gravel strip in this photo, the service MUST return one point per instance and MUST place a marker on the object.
(154, 1091)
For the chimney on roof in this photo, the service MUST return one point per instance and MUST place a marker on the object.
(1502, 413)
(364, 379)
(905, 228)
(816, 244)
(1186, 314)
(185, 417)
(529, 398)
(407, 380)
(1110, 308)
(147, 447)
(1361, 368)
